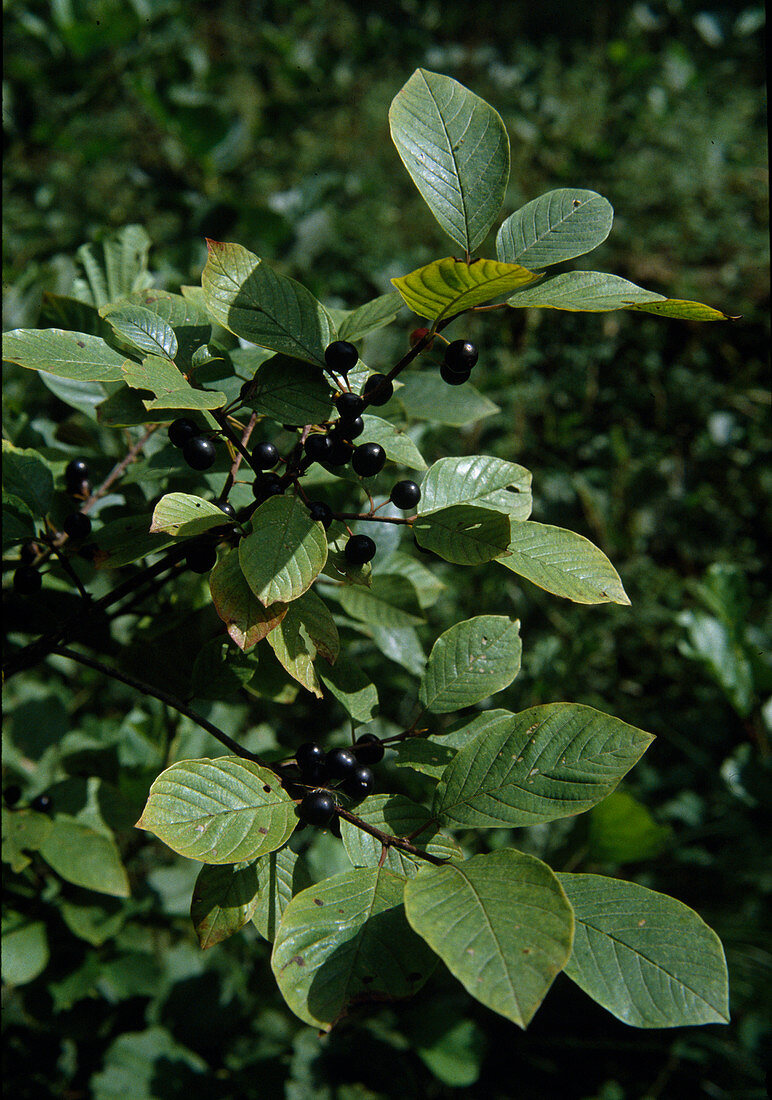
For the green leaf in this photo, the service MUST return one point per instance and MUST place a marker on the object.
(224, 899)
(124, 408)
(446, 287)
(169, 386)
(284, 553)
(67, 354)
(401, 817)
(346, 941)
(187, 318)
(583, 291)
(125, 255)
(373, 315)
(96, 924)
(390, 601)
(480, 480)
(307, 629)
(85, 857)
(18, 522)
(456, 149)
(280, 875)
(427, 586)
(464, 534)
(27, 477)
(647, 958)
(623, 831)
(402, 645)
(426, 397)
(270, 310)
(291, 392)
(683, 310)
(183, 515)
(219, 672)
(547, 762)
(426, 757)
(25, 953)
(143, 329)
(353, 690)
(563, 563)
(398, 446)
(23, 831)
(246, 619)
(219, 811)
(469, 662)
(557, 226)
(123, 541)
(500, 922)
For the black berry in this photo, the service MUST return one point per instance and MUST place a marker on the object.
(359, 783)
(199, 452)
(27, 580)
(368, 459)
(405, 494)
(77, 525)
(369, 749)
(229, 510)
(43, 803)
(349, 405)
(341, 356)
(340, 763)
(266, 485)
(460, 356)
(181, 430)
(11, 795)
(380, 383)
(318, 447)
(308, 753)
(320, 512)
(201, 558)
(75, 473)
(453, 378)
(317, 809)
(350, 429)
(340, 450)
(265, 455)
(359, 549)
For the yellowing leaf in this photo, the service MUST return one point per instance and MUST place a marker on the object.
(445, 287)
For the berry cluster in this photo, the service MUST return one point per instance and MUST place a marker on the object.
(346, 769)
(198, 450)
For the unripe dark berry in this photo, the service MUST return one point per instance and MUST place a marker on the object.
(340, 763)
(317, 809)
(359, 783)
(369, 749)
(349, 405)
(43, 804)
(320, 512)
(181, 430)
(27, 580)
(199, 452)
(318, 447)
(11, 795)
(359, 549)
(460, 355)
(265, 455)
(369, 459)
(380, 383)
(75, 472)
(229, 510)
(201, 558)
(266, 485)
(341, 356)
(350, 429)
(77, 525)
(453, 378)
(405, 494)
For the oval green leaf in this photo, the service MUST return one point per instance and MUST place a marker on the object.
(584, 292)
(305, 630)
(469, 662)
(464, 534)
(500, 922)
(247, 620)
(290, 391)
(184, 515)
(143, 329)
(398, 446)
(557, 226)
(85, 857)
(425, 396)
(68, 354)
(224, 899)
(356, 323)
(280, 875)
(446, 287)
(286, 551)
(481, 480)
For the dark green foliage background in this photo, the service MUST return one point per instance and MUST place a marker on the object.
(265, 124)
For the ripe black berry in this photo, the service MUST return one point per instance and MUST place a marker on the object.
(43, 803)
(368, 459)
(369, 749)
(359, 783)
(199, 452)
(350, 429)
(266, 485)
(380, 383)
(317, 809)
(309, 756)
(321, 512)
(340, 763)
(460, 356)
(201, 558)
(405, 494)
(181, 430)
(75, 473)
(340, 451)
(265, 455)
(77, 525)
(341, 356)
(453, 378)
(318, 447)
(224, 506)
(349, 405)
(27, 580)
(359, 549)
(11, 795)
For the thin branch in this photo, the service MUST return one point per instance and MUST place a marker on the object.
(374, 519)
(119, 468)
(389, 841)
(233, 438)
(231, 478)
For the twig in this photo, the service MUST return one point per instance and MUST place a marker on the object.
(389, 841)
(119, 468)
(231, 478)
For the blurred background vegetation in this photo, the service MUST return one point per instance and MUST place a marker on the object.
(265, 123)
